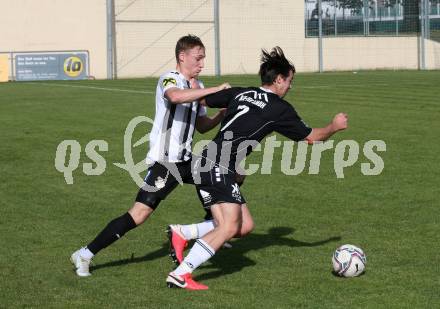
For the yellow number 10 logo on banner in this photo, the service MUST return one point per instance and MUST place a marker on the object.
(73, 66)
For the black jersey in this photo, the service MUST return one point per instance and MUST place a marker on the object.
(253, 113)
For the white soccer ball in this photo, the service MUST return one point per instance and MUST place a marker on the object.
(349, 261)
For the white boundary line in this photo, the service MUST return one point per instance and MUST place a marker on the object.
(312, 87)
(93, 87)
(151, 92)
(344, 86)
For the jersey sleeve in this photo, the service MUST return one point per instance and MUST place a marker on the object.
(291, 125)
(222, 98)
(202, 109)
(169, 80)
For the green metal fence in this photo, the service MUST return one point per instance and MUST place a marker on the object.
(371, 17)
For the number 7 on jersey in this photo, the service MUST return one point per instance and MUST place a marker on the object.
(243, 109)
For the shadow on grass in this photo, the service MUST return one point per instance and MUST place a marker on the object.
(228, 261)
(163, 251)
(335, 274)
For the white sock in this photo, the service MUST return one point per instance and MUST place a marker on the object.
(199, 254)
(205, 227)
(86, 253)
(198, 230)
(189, 231)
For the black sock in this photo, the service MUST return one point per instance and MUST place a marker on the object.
(112, 232)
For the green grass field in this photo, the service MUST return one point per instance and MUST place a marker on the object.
(300, 220)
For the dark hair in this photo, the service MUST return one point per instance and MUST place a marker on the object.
(187, 42)
(273, 64)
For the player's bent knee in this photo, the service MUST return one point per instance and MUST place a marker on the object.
(149, 199)
(230, 230)
(246, 229)
(140, 212)
(247, 225)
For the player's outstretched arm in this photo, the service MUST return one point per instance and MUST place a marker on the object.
(179, 96)
(339, 123)
(205, 123)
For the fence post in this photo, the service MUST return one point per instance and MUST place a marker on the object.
(11, 55)
(320, 36)
(427, 20)
(366, 17)
(217, 37)
(110, 39)
(422, 35)
(336, 21)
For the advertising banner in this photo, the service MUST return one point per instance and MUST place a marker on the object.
(66, 66)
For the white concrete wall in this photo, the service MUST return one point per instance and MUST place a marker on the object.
(46, 25)
(246, 26)
(249, 25)
(432, 55)
(363, 53)
(147, 48)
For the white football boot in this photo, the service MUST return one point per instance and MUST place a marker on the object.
(81, 264)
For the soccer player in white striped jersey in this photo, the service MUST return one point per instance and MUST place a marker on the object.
(178, 113)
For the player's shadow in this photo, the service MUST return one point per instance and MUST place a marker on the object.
(159, 253)
(228, 261)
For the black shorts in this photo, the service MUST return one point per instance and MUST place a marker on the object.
(208, 214)
(217, 186)
(161, 180)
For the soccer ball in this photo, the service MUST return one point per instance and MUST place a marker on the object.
(349, 261)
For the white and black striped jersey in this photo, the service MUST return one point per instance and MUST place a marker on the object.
(173, 128)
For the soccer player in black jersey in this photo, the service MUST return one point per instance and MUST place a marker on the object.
(252, 113)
